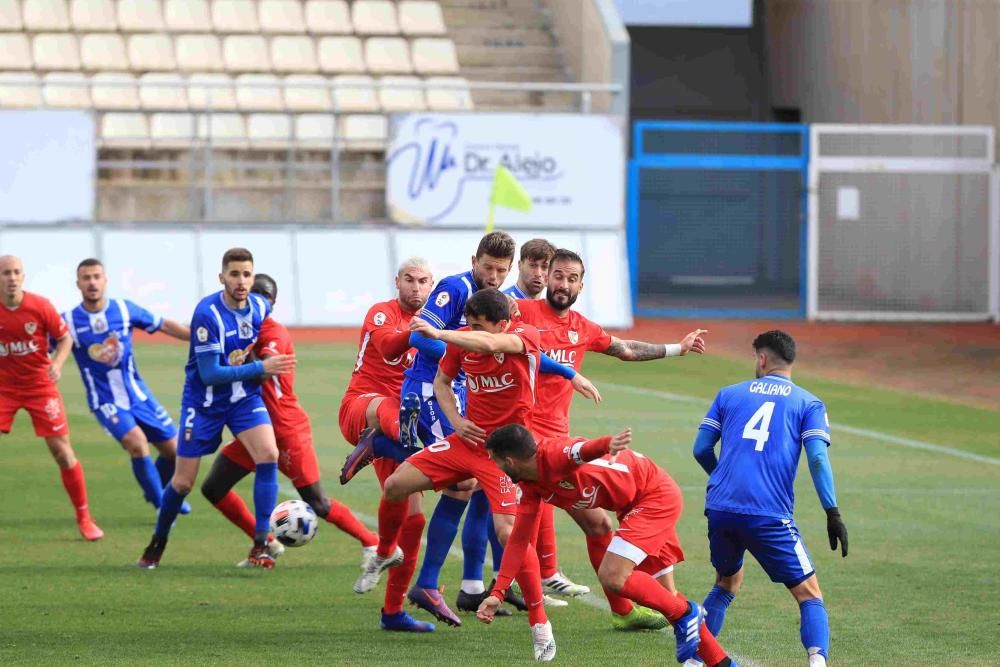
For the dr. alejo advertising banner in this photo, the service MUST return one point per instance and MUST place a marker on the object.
(440, 168)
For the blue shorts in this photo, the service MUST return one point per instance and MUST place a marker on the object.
(433, 426)
(775, 543)
(148, 415)
(203, 426)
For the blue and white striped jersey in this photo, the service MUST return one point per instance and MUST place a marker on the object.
(445, 309)
(515, 292)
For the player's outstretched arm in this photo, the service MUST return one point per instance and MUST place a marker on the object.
(525, 528)
(176, 330)
(586, 388)
(637, 350)
(63, 347)
(822, 476)
(472, 341)
(467, 430)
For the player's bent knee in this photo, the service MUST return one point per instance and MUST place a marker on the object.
(594, 523)
(807, 590)
(181, 486)
(733, 583)
(612, 578)
(134, 442)
(394, 489)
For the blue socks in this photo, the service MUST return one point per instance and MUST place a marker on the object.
(165, 467)
(385, 446)
(441, 533)
(149, 479)
(265, 497)
(497, 548)
(716, 603)
(474, 537)
(815, 628)
(170, 506)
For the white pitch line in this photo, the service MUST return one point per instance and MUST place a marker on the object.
(837, 427)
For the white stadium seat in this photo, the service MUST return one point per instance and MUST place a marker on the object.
(374, 17)
(215, 91)
(162, 90)
(151, 52)
(301, 98)
(235, 16)
(15, 51)
(363, 133)
(199, 53)
(387, 54)
(10, 15)
(421, 17)
(354, 92)
(173, 130)
(328, 17)
(258, 92)
(56, 51)
(453, 96)
(127, 130)
(269, 130)
(223, 129)
(293, 54)
(68, 90)
(103, 51)
(314, 129)
(140, 16)
(401, 93)
(93, 15)
(281, 16)
(341, 54)
(41, 15)
(434, 56)
(246, 53)
(187, 16)
(114, 90)
(18, 90)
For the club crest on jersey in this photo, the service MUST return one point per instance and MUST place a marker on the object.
(379, 319)
(100, 325)
(573, 336)
(30, 327)
(246, 331)
(202, 334)
(442, 300)
(109, 352)
(498, 356)
(238, 357)
(566, 485)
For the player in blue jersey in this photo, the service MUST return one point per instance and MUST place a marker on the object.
(222, 389)
(764, 425)
(101, 329)
(532, 269)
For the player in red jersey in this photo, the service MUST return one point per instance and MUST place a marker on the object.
(567, 336)
(578, 474)
(296, 455)
(28, 378)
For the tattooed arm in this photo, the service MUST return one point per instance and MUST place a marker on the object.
(637, 350)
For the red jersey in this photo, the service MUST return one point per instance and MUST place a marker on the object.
(500, 388)
(279, 391)
(565, 339)
(383, 351)
(24, 345)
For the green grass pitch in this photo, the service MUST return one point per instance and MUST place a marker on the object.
(918, 588)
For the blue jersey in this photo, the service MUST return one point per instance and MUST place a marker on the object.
(102, 347)
(445, 309)
(763, 424)
(515, 292)
(218, 330)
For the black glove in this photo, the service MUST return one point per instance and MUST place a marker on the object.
(836, 529)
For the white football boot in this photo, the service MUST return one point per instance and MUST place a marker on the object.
(368, 556)
(373, 573)
(560, 584)
(545, 643)
(551, 602)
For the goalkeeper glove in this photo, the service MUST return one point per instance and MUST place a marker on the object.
(836, 530)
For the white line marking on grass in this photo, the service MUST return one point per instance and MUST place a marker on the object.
(837, 427)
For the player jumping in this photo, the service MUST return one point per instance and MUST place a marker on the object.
(764, 425)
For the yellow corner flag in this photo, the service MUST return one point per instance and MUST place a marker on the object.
(507, 192)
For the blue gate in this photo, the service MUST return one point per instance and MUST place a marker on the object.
(717, 219)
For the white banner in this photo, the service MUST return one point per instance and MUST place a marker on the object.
(440, 168)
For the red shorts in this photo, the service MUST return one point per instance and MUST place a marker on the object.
(352, 414)
(296, 458)
(647, 534)
(48, 414)
(451, 461)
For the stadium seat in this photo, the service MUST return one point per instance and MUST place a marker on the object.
(269, 130)
(93, 16)
(56, 51)
(16, 92)
(374, 17)
(363, 133)
(300, 98)
(68, 90)
(421, 17)
(434, 56)
(326, 17)
(198, 53)
(314, 130)
(281, 17)
(223, 129)
(42, 15)
(293, 54)
(387, 54)
(454, 97)
(15, 51)
(151, 52)
(162, 90)
(246, 53)
(353, 92)
(401, 93)
(140, 16)
(103, 51)
(211, 91)
(127, 130)
(187, 16)
(235, 16)
(10, 15)
(341, 54)
(257, 92)
(114, 90)
(173, 130)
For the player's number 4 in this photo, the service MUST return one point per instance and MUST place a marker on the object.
(757, 428)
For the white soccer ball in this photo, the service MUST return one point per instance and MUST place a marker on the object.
(293, 523)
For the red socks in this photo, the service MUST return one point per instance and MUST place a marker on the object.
(390, 521)
(399, 577)
(234, 509)
(388, 419)
(342, 517)
(709, 650)
(531, 587)
(76, 488)
(546, 541)
(596, 548)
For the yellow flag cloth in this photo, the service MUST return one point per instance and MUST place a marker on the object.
(507, 192)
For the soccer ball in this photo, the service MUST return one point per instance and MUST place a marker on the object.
(293, 523)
